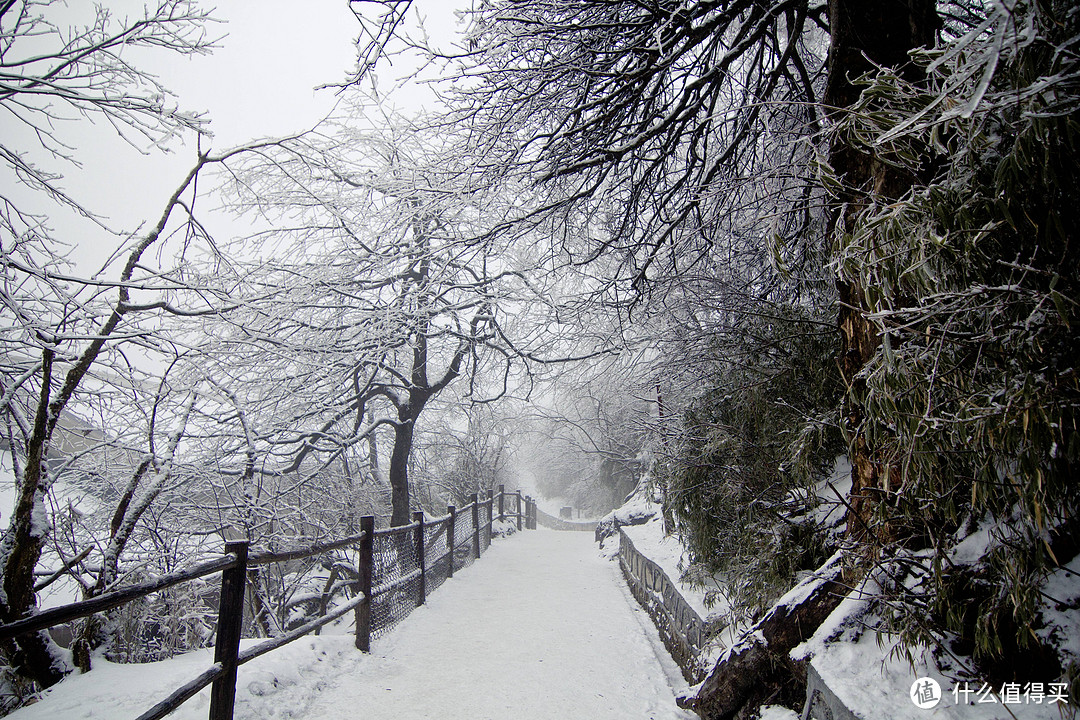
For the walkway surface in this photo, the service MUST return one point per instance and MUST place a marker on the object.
(540, 627)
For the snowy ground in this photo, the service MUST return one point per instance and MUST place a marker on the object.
(541, 627)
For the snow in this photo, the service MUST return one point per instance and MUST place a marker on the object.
(845, 618)
(866, 680)
(974, 547)
(541, 627)
(861, 670)
(805, 588)
(777, 712)
(638, 508)
(1061, 594)
(831, 491)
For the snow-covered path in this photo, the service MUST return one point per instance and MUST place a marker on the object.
(541, 627)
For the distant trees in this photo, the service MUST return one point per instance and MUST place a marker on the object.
(468, 449)
(588, 434)
(674, 142)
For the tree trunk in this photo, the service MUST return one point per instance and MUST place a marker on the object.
(32, 655)
(759, 669)
(399, 468)
(260, 613)
(866, 34)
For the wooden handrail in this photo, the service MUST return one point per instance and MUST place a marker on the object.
(396, 530)
(110, 600)
(183, 693)
(266, 557)
(296, 634)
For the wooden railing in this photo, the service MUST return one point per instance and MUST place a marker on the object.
(437, 547)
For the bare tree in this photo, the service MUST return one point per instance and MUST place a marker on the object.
(73, 336)
(465, 449)
(387, 297)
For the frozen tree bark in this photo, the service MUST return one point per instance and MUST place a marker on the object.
(865, 36)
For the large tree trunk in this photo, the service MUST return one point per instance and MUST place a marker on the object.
(33, 655)
(399, 469)
(864, 35)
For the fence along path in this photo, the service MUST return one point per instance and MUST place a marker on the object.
(544, 628)
(553, 523)
(396, 570)
(681, 628)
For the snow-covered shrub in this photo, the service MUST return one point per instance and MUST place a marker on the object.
(972, 282)
(503, 528)
(766, 430)
(640, 507)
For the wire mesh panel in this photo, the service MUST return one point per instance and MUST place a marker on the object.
(464, 554)
(512, 506)
(436, 555)
(486, 517)
(395, 584)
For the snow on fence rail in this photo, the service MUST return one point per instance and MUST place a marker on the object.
(681, 628)
(396, 569)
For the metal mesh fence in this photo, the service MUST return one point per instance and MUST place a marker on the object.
(437, 559)
(464, 550)
(395, 585)
(487, 509)
(399, 583)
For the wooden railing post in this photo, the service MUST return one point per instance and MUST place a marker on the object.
(476, 523)
(502, 503)
(489, 515)
(366, 568)
(520, 509)
(452, 512)
(421, 594)
(230, 626)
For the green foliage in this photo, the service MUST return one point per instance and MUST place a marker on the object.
(972, 281)
(747, 444)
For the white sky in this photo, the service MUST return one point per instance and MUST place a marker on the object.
(260, 82)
